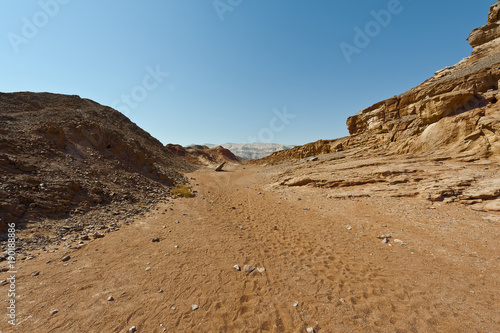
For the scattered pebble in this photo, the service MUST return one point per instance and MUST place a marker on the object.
(248, 268)
(176, 246)
(194, 307)
(385, 240)
(110, 299)
(177, 221)
(35, 273)
(174, 308)
(53, 312)
(147, 269)
(348, 227)
(310, 330)
(132, 329)
(261, 269)
(65, 258)
(155, 240)
(160, 291)
(236, 267)
(384, 236)
(296, 304)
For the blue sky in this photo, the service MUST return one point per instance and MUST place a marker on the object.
(233, 70)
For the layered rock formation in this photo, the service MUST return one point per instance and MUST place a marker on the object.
(454, 113)
(439, 141)
(63, 156)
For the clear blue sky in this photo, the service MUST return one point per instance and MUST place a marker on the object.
(231, 68)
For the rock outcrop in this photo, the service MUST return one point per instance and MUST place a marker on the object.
(454, 113)
(439, 141)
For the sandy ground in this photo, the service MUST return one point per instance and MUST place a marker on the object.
(320, 254)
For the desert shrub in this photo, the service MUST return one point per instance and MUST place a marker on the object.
(182, 191)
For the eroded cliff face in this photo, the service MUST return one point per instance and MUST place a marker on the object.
(455, 112)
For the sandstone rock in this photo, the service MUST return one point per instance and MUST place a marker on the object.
(493, 206)
(220, 166)
(65, 258)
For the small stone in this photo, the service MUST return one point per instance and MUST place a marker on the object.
(236, 267)
(160, 291)
(194, 307)
(385, 240)
(155, 240)
(148, 269)
(296, 304)
(164, 227)
(177, 221)
(110, 299)
(248, 268)
(176, 246)
(132, 329)
(97, 235)
(348, 227)
(261, 269)
(65, 258)
(174, 308)
(53, 312)
(384, 236)
(310, 330)
(35, 273)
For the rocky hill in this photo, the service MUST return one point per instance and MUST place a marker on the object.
(77, 163)
(203, 155)
(454, 113)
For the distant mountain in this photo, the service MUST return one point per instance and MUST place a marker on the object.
(253, 151)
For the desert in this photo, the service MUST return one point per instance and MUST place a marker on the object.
(393, 228)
